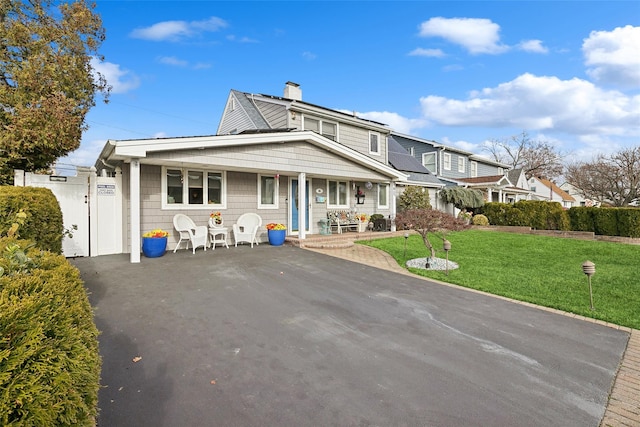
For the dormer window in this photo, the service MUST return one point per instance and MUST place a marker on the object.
(324, 128)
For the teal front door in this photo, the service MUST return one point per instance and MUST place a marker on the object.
(296, 208)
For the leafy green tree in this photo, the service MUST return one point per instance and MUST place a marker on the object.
(47, 84)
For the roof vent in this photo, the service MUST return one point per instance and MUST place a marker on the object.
(292, 91)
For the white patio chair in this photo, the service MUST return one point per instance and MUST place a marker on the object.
(190, 232)
(245, 229)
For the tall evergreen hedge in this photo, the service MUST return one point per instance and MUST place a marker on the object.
(540, 215)
(49, 359)
(606, 221)
(43, 223)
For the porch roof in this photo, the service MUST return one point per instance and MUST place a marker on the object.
(125, 150)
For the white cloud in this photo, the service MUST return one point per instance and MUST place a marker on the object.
(309, 56)
(533, 46)
(172, 60)
(178, 30)
(614, 56)
(394, 120)
(536, 103)
(434, 53)
(233, 38)
(478, 36)
(121, 81)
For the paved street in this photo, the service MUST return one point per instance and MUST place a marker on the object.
(285, 336)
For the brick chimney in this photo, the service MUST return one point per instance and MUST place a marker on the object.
(292, 91)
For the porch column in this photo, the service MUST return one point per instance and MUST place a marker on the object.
(134, 209)
(489, 195)
(302, 205)
(392, 206)
(500, 198)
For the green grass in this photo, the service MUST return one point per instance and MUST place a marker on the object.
(542, 270)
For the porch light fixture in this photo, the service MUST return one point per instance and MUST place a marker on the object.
(589, 269)
(359, 196)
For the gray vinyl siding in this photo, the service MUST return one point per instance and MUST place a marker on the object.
(356, 138)
(453, 173)
(487, 170)
(292, 157)
(242, 197)
(275, 114)
(235, 120)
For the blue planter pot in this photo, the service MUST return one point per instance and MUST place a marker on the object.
(276, 237)
(154, 247)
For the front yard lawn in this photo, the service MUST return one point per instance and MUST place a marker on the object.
(542, 270)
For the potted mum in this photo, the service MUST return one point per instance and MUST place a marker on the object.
(276, 233)
(154, 243)
(215, 220)
(363, 219)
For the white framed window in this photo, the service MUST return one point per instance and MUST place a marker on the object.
(267, 192)
(412, 151)
(461, 164)
(500, 171)
(374, 143)
(330, 130)
(474, 169)
(337, 194)
(429, 162)
(324, 128)
(383, 196)
(446, 161)
(192, 188)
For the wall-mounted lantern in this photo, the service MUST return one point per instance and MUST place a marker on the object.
(359, 196)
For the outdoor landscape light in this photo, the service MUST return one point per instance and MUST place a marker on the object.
(446, 245)
(589, 269)
(406, 236)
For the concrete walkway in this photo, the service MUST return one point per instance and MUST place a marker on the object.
(624, 401)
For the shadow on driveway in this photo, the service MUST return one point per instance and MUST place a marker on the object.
(288, 337)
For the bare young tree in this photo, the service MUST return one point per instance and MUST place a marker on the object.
(426, 221)
(613, 179)
(537, 158)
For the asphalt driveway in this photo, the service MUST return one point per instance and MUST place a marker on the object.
(281, 336)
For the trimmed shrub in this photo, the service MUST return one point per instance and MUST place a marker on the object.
(414, 197)
(582, 218)
(49, 359)
(502, 214)
(628, 222)
(542, 215)
(606, 221)
(480, 220)
(43, 222)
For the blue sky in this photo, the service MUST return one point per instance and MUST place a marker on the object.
(460, 73)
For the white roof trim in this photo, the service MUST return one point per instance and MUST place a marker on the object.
(139, 148)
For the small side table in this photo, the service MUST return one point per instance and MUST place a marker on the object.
(218, 235)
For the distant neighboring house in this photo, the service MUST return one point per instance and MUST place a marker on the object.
(544, 189)
(418, 175)
(496, 188)
(448, 162)
(578, 196)
(287, 160)
(520, 189)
